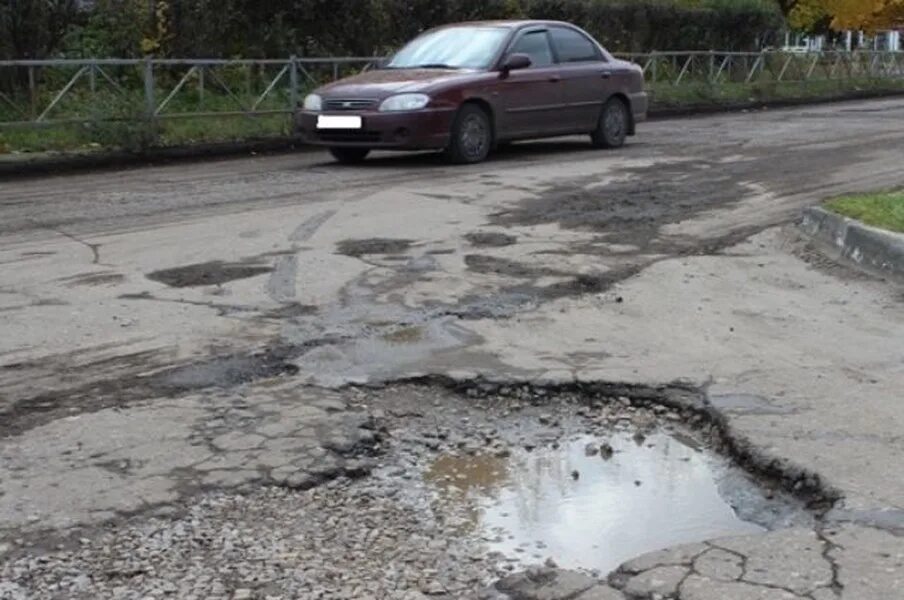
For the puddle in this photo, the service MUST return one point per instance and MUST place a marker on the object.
(595, 510)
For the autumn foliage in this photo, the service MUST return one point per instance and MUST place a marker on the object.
(865, 15)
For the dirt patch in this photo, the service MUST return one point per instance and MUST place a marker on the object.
(210, 273)
(137, 296)
(633, 209)
(95, 279)
(490, 239)
(405, 335)
(222, 371)
(372, 246)
(290, 311)
(589, 284)
(481, 263)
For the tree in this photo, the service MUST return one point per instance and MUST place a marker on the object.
(34, 28)
(112, 28)
(810, 15)
(866, 15)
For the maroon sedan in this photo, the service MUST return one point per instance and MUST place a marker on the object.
(466, 88)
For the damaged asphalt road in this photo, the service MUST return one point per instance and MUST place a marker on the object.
(178, 344)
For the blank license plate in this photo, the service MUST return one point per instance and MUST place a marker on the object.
(339, 122)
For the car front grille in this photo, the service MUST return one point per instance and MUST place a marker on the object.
(349, 135)
(347, 104)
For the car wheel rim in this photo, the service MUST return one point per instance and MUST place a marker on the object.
(615, 122)
(473, 136)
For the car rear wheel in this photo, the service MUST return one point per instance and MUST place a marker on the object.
(612, 127)
(349, 156)
(472, 136)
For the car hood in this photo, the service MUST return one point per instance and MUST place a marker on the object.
(386, 82)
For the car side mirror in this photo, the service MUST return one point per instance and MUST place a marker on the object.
(516, 61)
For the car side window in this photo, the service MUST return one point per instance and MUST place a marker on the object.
(573, 46)
(536, 45)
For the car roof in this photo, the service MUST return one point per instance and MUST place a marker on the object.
(507, 24)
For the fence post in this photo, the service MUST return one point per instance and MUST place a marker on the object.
(32, 93)
(712, 67)
(201, 69)
(655, 68)
(293, 83)
(150, 137)
(150, 102)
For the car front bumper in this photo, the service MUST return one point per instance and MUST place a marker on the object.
(640, 103)
(410, 130)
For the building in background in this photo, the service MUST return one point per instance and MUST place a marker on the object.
(849, 40)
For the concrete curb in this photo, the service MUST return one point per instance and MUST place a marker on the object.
(875, 250)
(65, 162)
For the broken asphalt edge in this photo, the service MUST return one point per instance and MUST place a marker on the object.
(692, 402)
(877, 251)
(66, 162)
(688, 399)
(105, 159)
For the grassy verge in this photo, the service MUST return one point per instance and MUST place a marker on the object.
(136, 135)
(701, 94)
(126, 130)
(885, 210)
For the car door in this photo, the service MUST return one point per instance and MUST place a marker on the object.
(587, 78)
(531, 98)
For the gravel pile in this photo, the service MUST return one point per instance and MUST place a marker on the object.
(343, 540)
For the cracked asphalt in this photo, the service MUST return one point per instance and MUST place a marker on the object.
(181, 346)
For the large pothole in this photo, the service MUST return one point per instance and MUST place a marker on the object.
(587, 484)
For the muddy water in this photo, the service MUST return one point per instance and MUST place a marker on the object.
(587, 509)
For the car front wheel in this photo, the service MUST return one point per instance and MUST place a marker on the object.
(472, 136)
(612, 128)
(349, 156)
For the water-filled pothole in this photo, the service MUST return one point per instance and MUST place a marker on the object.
(592, 493)
(587, 511)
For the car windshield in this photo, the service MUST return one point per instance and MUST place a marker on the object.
(451, 48)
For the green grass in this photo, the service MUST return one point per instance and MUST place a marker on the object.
(136, 135)
(885, 210)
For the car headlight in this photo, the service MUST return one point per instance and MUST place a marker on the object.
(405, 102)
(313, 102)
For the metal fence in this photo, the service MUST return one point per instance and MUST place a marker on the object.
(713, 67)
(36, 93)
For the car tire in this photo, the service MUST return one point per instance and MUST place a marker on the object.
(612, 127)
(471, 137)
(349, 156)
